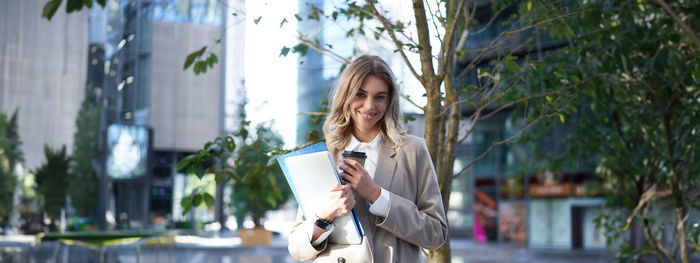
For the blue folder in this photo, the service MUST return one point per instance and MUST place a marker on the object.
(298, 161)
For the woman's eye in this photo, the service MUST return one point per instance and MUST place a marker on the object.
(361, 95)
(381, 97)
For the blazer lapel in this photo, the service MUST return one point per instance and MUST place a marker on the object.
(386, 164)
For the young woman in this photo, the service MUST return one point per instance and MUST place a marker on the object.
(395, 194)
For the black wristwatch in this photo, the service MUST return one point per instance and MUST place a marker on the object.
(323, 224)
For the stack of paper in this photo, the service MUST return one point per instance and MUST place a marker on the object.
(310, 173)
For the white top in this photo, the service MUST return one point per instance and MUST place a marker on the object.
(381, 206)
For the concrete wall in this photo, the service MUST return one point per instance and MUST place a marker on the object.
(42, 72)
(184, 106)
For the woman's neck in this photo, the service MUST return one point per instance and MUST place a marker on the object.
(365, 136)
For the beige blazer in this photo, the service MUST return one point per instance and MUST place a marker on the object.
(416, 215)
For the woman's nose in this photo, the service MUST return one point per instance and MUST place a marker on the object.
(369, 103)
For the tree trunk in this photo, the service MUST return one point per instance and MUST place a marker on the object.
(680, 227)
(432, 120)
(655, 246)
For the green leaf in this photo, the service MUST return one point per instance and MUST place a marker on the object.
(284, 51)
(561, 117)
(186, 204)
(102, 2)
(283, 21)
(271, 200)
(230, 144)
(696, 73)
(197, 169)
(197, 199)
(73, 5)
(210, 62)
(510, 64)
(335, 15)
(574, 78)
(230, 175)
(184, 162)
(88, 3)
(298, 17)
(50, 9)
(243, 133)
(548, 98)
(208, 199)
(200, 67)
(207, 145)
(300, 49)
(193, 56)
(257, 20)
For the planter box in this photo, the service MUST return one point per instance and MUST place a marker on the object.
(258, 236)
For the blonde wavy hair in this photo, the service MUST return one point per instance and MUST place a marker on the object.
(338, 125)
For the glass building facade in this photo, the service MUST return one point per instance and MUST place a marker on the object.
(120, 61)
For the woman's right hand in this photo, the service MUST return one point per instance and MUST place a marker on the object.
(339, 200)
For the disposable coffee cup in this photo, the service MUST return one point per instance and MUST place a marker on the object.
(360, 157)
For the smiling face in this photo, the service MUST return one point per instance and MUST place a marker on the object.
(368, 107)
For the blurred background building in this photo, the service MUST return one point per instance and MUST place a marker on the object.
(129, 57)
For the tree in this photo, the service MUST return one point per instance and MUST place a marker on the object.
(7, 178)
(52, 180)
(15, 154)
(261, 186)
(638, 118)
(82, 186)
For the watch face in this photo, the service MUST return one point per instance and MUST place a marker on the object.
(322, 224)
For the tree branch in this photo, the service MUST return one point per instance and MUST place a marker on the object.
(399, 47)
(689, 32)
(411, 101)
(496, 40)
(322, 50)
(510, 139)
(426, 54)
(658, 248)
(467, 22)
(433, 17)
(448, 42)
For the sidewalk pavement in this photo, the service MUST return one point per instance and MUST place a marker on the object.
(228, 249)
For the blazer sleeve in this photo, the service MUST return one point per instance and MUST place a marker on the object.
(299, 242)
(421, 223)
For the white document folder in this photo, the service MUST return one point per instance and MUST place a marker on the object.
(310, 173)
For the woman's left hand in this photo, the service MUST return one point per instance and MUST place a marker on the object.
(357, 177)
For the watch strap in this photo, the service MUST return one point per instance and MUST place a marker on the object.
(323, 224)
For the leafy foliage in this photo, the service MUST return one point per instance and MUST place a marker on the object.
(262, 186)
(639, 117)
(7, 178)
(200, 61)
(211, 159)
(52, 180)
(83, 183)
(258, 183)
(52, 6)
